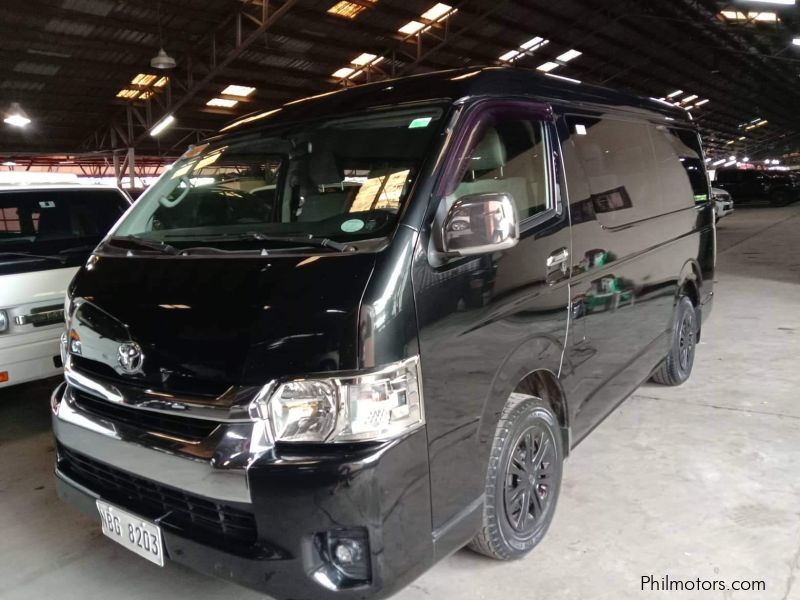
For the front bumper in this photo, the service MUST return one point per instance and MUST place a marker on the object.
(296, 497)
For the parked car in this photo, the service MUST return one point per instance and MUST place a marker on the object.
(46, 233)
(349, 336)
(748, 185)
(723, 203)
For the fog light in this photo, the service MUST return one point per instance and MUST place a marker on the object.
(344, 558)
(349, 552)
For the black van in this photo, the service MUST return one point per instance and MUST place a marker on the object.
(749, 185)
(356, 333)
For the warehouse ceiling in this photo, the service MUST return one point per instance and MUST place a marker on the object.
(80, 69)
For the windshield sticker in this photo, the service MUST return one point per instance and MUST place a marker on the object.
(352, 225)
(47, 204)
(420, 122)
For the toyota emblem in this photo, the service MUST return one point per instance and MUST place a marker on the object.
(130, 357)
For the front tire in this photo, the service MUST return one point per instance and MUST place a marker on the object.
(522, 481)
(677, 366)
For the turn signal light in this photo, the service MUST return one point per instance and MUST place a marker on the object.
(3, 376)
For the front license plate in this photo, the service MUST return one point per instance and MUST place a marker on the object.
(136, 534)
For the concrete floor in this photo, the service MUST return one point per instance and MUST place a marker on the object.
(701, 481)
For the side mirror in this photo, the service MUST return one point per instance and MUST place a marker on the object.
(479, 224)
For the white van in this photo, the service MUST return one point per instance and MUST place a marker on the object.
(46, 233)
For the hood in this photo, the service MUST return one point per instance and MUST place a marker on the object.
(204, 324)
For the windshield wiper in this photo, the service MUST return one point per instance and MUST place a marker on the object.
(82, 248)
(308, 240)
(60, 259)
(133, 242)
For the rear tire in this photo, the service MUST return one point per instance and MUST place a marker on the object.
(780, 198)
(677, 366)
(522, 481)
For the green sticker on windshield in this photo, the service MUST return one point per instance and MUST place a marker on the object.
(352, 225)
(420, 122)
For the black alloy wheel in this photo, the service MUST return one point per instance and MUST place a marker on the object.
(529, 476)
(677, 366)
(523, 479)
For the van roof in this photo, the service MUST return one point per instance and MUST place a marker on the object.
(450, 86)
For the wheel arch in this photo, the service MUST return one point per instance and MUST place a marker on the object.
(530, 369)
(690, 283)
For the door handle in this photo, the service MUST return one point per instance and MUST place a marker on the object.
(558, 258)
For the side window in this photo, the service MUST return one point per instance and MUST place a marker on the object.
(619, 166)
(510, 157)
(681, 171)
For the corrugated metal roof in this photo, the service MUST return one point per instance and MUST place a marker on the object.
(85, 51)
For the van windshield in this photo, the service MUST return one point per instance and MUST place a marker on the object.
(36, 225)
(342, 180)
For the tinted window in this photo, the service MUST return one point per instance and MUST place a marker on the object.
(726, 176)
(681, 171)
(508, 157)
(344, 178)
(29, 219)
(619, 166)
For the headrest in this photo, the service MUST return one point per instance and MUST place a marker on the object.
(322, 168)
(489, 154)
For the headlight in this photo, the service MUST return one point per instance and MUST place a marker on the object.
(3, 321)
(374, 406)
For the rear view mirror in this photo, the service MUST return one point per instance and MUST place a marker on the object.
(479, 224)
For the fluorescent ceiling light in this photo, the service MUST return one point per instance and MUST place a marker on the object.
(363, 59)
(735, 15)
(731, 158)
(716, 163)
(510, 55)
(746, 159)
(569, 55)
(580, 129)
(17, 120)
(776, 162)
(548, 66)
(730, 163)
(343, 72)
(702, 102)
(9, 163)
(161, 82)
(222, 102)
(534, 43)
(349, 10)
(411, 27)
(126, 93)
(708, 160)
(143, 79)
(238, 90)
(796, 41)
(562, 78)
(437, 11)
(770, 17)
(162, 125)
(675, 93)
(689, 98)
